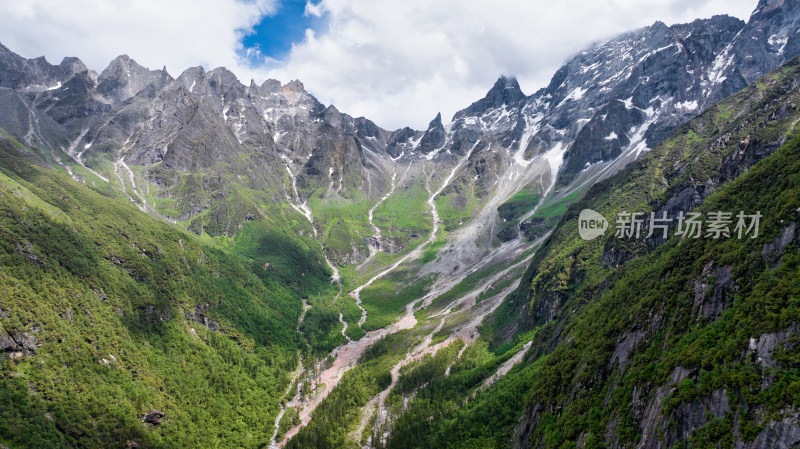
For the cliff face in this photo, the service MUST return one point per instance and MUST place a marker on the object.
(678, 341)
(160, 138)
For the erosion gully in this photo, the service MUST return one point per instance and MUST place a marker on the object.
(514, 255)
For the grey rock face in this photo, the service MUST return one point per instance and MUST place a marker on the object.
(124, 78)
(713, 291)
(505, 92)
(401, 141)
(73, 102)
(609, 103)
(7, 343)
(17, 72)
(200, 315)
(774, 250)
(783, 434)
(366, 129)
(652, 81)
(192, 137)
(603, 138)
(620, 98)
(153, 418)
(769, 39)
(434, 137)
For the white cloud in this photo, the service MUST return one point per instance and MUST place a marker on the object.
(396, 62)
(175, 33)
(314, 10)
(399, 63)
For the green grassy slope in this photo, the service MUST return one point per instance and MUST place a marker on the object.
(107, 314)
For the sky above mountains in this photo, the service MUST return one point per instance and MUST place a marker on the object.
(395, 62)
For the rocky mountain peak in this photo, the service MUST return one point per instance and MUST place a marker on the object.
(769, 39)
(506, 89)
(193, 72)
(436, 123)
(658, 26)
(222, 73)
(124, 78)
(224, 82)
(333, 117)
(17, 72)
(400, 141)
(193, 79)
(767, 6)
(434, 137)
(607, 105)
(5, 52)
(505, 92)
(662, 75)
(36, 74)
(271, 86)
(119, 67)
(74, 64)
(41, 60)
(295, 86)
(367, 128)
(122, 59)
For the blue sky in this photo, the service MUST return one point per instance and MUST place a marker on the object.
(274, 35)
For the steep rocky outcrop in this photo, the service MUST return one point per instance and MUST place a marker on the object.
(679, 290)
(17, 72)
(603, 108)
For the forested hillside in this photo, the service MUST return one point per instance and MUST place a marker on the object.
(110, 318)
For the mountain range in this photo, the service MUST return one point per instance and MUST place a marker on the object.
(319, 278)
